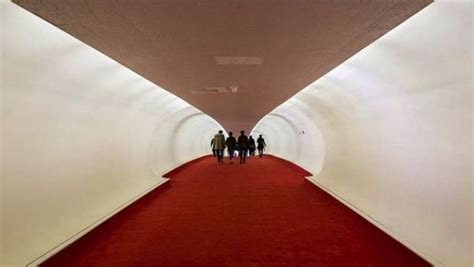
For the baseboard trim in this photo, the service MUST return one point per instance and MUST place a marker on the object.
(93, 225)
(178, 168)
(376, 223)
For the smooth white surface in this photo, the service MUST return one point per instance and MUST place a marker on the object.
(396, 123)
(90, 227)
(81, 135)
(390, 131)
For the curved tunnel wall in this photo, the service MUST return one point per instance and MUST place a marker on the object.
(81, 135)
(291, 133)
(396, 126)
(389, 131)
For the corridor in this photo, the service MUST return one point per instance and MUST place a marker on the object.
(102, 100)
(263, 213)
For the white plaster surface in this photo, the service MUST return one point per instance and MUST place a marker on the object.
(81, 135)
(390, 131)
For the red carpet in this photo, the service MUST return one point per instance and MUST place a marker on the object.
(263, 213)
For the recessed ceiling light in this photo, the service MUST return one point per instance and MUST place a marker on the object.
(234, 88)
(211, 90)
(217, 90)
(247, 60)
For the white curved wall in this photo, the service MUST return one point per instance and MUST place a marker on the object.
(81, 135)
(396, 123)
(287, 130)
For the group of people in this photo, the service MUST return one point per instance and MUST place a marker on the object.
(243, 146)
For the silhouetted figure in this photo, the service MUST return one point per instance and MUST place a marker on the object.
(251, 146)
(260, 145)
(212, 146)
(243, 144)
(219, 145)
(231, 144)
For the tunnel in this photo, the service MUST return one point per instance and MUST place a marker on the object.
(109, 107)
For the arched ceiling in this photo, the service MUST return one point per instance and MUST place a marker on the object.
(235, 60)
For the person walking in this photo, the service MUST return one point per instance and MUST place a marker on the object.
(219, 145)
(251, 146)
(260, 145)
(243, 143)
(212, 146)
(231, 144)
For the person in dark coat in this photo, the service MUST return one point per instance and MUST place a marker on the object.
(252, 146)
(260, 145)
(243, 143)
(231, 144)
(212, 146)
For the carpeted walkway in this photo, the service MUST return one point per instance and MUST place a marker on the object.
(263, 213)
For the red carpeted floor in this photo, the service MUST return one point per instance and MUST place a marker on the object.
(263, 213)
